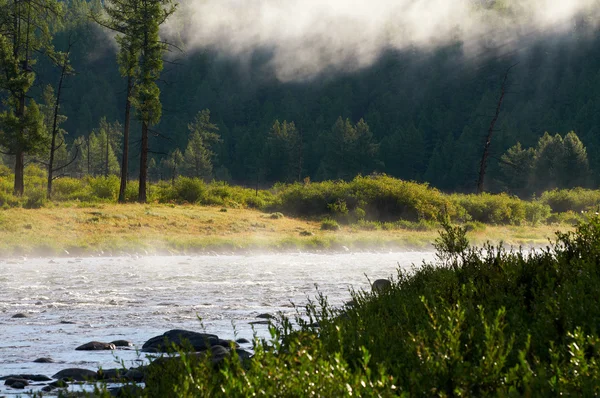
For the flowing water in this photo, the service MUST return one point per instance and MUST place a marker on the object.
(69, 302)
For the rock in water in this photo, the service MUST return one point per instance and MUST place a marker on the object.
(20, 315)
(96, 346)
(122, 343)
(183, 339)
(381, 285)
(77, 374)
(44, 360)
(16, 382)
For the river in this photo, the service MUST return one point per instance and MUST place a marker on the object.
(71, 301)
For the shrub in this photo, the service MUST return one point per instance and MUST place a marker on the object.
(190, 190)
(35, 199)
(576, 200)
(379, 198)
(329, 225)
(104, 187)
(69, 189)
(501, 209)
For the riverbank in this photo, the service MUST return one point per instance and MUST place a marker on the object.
(72, 229)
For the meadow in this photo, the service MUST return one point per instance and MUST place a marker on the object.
(191, 216)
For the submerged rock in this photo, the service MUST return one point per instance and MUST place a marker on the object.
(182, 339)
(77, 374)
(96, 346)
(44, 360)
(28, 377)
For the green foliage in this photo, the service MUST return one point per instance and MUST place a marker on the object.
(382, 198)
(452, 243)
(198, 154)
(501, 209)
(329, 225)
(577, 200)
(185, 189)
(555, 162)
(67, 188)
(497, 323)
(104, 187)
(349, 150)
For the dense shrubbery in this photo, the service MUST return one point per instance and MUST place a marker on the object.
(501, 209)
(479, 323)
(374, 202)
(576, 200)
(378, 198)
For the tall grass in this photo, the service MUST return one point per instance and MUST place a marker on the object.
(478, 323)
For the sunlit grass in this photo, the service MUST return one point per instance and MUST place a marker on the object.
(110, 229)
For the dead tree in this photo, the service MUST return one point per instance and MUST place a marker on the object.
(488, 140)
(66, 70)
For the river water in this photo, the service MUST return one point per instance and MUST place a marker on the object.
(71, 301)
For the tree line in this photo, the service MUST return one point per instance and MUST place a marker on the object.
(415, 116)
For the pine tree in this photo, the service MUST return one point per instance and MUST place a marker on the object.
(24, 32)
(198, 153)
(173, 164)
(140, 58)
(284, 152)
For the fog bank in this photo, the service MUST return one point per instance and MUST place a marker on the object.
(308, 37)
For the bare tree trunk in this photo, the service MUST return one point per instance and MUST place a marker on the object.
(88, 153)
(55, 119)
(124, 159)
(143, 163)
(300, 154)
(488, 140)
(19, 186)
(106, 156)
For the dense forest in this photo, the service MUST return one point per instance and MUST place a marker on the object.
(415, 114)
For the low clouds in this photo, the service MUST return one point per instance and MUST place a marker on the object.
(308, 37)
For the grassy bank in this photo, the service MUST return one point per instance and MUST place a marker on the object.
(191, 216)
(111, 229)
(478, 323)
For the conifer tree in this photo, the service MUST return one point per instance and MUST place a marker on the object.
(24, 33)
(198, 154)
(140, 57)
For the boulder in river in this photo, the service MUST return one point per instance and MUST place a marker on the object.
(182, 339)
(16, 382)
(20, 315)
(111, 374)
(96, 346)
(77, 374)
(28, 377)
(44, 360)
(122, 343)
(381, 285)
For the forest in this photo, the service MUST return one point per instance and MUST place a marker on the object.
(416, 114)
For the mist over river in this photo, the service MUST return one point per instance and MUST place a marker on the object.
(71, 301)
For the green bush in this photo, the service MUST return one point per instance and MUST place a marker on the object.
(379, 198)
(35, 199)
(104, 187)
(67, 188)
(576, 200)
(491, 322)
(501, 209)
(185, 190)
(329, 225)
